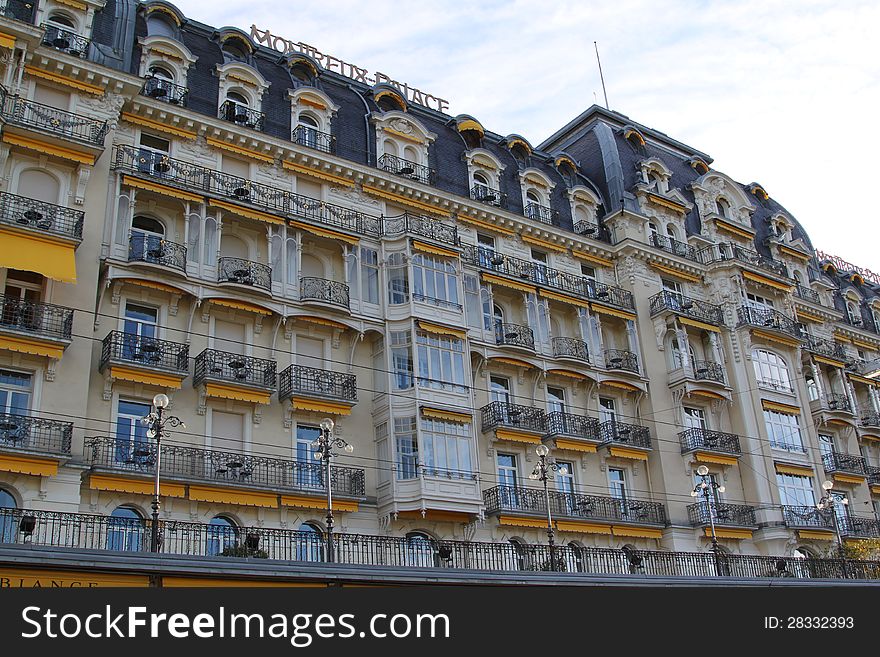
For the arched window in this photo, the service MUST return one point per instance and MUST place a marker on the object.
(235, 50)
(575, 558)
(220, 534)
(480, 179)
(147, 240)
(533, 205)
(159, 84)
(7, 517)
(309, 543)
(569, 175)
(126, 530)
(387, 103)
(518, 559)
(498, 318)
(307, 131)
(6, 499)
(38, 185)
(771, 370)
(420, 550)
(520, 154)
(854, 313)
(237, 108)
(722, 207)
(159, 25)
(302, 73)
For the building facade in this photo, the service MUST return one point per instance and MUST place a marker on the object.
(270, 242)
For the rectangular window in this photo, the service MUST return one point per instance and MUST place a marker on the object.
(380, 375)
(407, 448)
(588, 272)
(472, 307)
(617, 483)
(382, 451)
(758, 302)
(694, 418)
(401, 359)
(441, 362)
(398, 285)
(369, 275)
(308, 471)
(15, 393)
(132, 448)
(507, 475)
(812, 388)
(447, 449)
(435, 280)
(784, 431)
(485, 250)
(555, 400)
(670, 285)
(795, 490)
(607, 412)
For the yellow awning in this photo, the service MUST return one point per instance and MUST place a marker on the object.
(740, 231)
(163, 190)
(769, 337)
(45, 148)
(240, 305)
(795, 253)
(575, 445)
(627, 453)
(544, 244)
(721, 532)
(782, 408)
(323, 232)
(303, 502)
(136, 486)
(798, 470)
(246, 212)
(582, 527)
(517, 436)
(623, 385)
(706, 457)
(613, 312)
(320, 321)
(807, 316)
(232, 496)
(318, 406)
(589, 257)
(235, 393)
(433, 250)
(511, 361)
(707, 393)
(687, 321)
(569, 373)
(676, 273)
(470, 124)
(157, 125)
(38, 254)
(485, 225)
(58, 78)
(522, 522)
(504, 282)
(7, 41)
(439, 329)
(637, 532)
(31, 346)
(829, 361)
(848, 479)
(564, 298)
(766, 281)
(816, 535)
(152, 284)
(240, 150)
(442, 414)
(158, 379)
(319, 175)
(28, 465)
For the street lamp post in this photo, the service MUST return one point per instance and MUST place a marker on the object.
(156, 421)
(829, 503)
(323, 447)
(542, 467)
(707, 487)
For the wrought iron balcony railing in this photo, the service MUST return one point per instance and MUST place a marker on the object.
(706, 370)
(666, 300)
(234, 368)
(310, 137)
(846, 463)
(221, 467)
(675, 247)
(407, 169)
(191, 177)
(41, 217)
(314, 382)
(156, 251)
(420, 226)
(144, 351)
(514, 335)
(504, 414)
(532, 501)
(567, 424)
(320, 289)
(807, 294)
(835, 401)
(873, 474)
(730, 251)
(590, 229)
(65, 40)
(42, 319)
(244, 272)
(571, 348)
(768, 319)
(620, 433)
(22, 112)
(695, 439)
(722, 514)
(825, 347)
(165, 90)
(486, 194)
(859, 527)
(540, 213)
(34, 434)
(609, 294)
(807, 516)
(871, 419)
(242, 115)
(864, 367)
(620, 359)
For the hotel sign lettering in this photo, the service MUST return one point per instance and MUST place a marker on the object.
(285, 46)
(59, 579)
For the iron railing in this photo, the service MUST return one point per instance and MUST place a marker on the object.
(864, 367)
(184, 175)
(632, 435)
(768, 318)
(407, 169)
(242, 115)
(23, 112)
(165, 90)
(679, 303)
(807, 294)
(92, 532)
(859, 527)
(41, 217)
(145, 351)
(593, 230)
(871, 419)
(221, 466)
(675, 247)
(320, 289)
(504, 414)
(571, 348)
(707, 370)
(836, 401)
(807, 516)
(873, 474)
(244, 272)
(722, 514)
(848, 463)
(156, 251)
(540, 213)
(65, 40)
(310, 137)
(235, 368)
(825, 347)
(43, 319)
(421, 226)
(533, 501)
(488, 195)
(695, 439)
(35, 434)
(515, 335)
(620, 359)
(730, 251)
(568, 424)
(314, 382)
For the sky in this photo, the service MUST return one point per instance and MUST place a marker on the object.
(781, 93)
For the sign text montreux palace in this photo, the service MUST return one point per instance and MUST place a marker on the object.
(331, 63)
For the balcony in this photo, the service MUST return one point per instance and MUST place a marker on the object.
(675, 247)
(313, 382)
(866, 368)
(156, 251)
(201, 180)
(540, 213)
(499, 414)
(514, 335)
(675, 302)
(873, 475)
(575, 506)
(728, 251)
(242, 115)
(23, 433)
(165, 90)
(859, 527)
(871, 419)
(768, 319)
(705, 440)
(145, 353)
(400, 167)
(828, 348)
(721, 514)
(706, 370)
(590, 229)
(608, 294)
(807, 517)
(67, 126)
(837, 462)
(835, 401)
(38, 217)
(612, 432)
(807, 294)
(222, 366)
(571, 348)
(320, 290)
(487, 195)
(620, 359)
(224, 468)
(65, 40)
(310, 137)
(581, 427)
(29, 318)
(244, 272)
(420, 226)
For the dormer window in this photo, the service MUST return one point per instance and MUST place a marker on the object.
(302, 74)
(62, 34)
(237, 109)
(159, 25)
(854, 314)
(235, 50)
(656, 183)
(722, 208)
(520, 154)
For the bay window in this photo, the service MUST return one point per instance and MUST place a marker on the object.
(447, 448)
(441, 362)
(784, 431)
(434, 280)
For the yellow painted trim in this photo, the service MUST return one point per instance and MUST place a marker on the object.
(7, 41)
(312, 103)
(864, 345)
(320, 321)
(707, 393)
(320, 175)
(164, 10)
(734, 230)
(795, 253)
(698, 324)
(582, 527)
(157, 125)
(627, 453)
(798, 470)
(875, 488)
(439, 329)
(516, 362)
(769, 405)
(729, 533)
(402, 200)
(504, 282)
(316, 406)
(691, 278)
(137, 486)
(767, 281)
(433, 250)
(571, 374)
(575, 445)
(613, 312)
(28, 465)
(240, 150)
(667, 203)
(522, 142)
(485, 225)
(705, 457)
(564, 158)
(302, 502)
(564, 298)
(240, 305)
(869, 436)
(623, 385)
(323, 232)
(861, 379)
(634, 532)
(769, 337)
(232, 496)
(61, 79)
(167, 52)
(522, 522)
(403, 135)
(401, 103)
(847, 479)
(246, 212)
(470, 124)
(42, 254)
(807, 316)
(550, 246)
(517, 437)
(21, 578)
(158, 188)
(828, 361)
(816, 535)
(223, 391)
(30, 346)
(35, 144)
(589, 257)
(147, 378)
(152, 284)
(442, 414)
